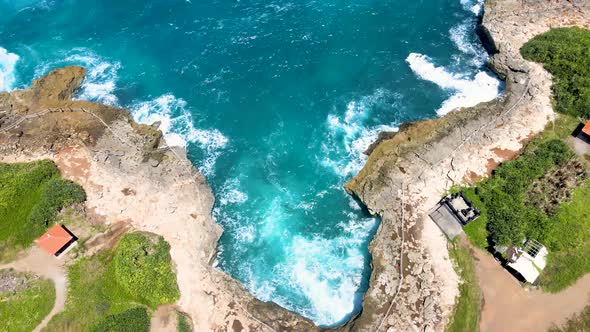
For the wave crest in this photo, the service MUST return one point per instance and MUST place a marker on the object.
(468, 92)
(176, 123)
(7, 69)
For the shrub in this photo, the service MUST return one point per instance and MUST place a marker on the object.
(143, 267)
(58, 193)
(31, 196)
(503, 197)
(136, 320)
(565, 53)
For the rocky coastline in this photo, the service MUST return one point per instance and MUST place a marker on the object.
(413, 285)
(132, 177)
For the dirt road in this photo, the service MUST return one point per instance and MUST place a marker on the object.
(509, 307)
(39, 262)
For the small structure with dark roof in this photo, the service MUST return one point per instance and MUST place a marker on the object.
(452, 213)
(56, 240)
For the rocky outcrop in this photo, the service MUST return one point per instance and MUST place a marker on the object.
(407, 172)
(131, 176)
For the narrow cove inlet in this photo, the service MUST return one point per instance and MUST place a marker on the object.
(276, 103)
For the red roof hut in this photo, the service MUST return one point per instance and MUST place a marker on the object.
(56, 240)
(586, 129)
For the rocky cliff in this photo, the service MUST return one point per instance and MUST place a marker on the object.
(132, 177)
(408, 171)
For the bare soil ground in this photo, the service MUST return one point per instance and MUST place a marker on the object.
(507, 306)
(39, 262)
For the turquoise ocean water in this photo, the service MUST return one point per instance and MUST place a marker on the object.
(275, 102)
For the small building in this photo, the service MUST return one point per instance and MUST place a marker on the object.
(56, 240)
(452, 213)
(586, 129)
(528, 261)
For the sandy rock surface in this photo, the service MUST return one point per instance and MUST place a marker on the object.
(408, 172)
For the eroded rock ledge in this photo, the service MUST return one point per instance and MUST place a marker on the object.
(130, 176)
(408, 172)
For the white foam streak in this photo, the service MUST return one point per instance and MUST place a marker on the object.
(355, 136)
(176, 123)
(101, 78)
(329, 271)
(7, 69)
(474, 6)
(468, 92)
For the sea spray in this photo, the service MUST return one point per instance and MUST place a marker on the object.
(176, 123)
(7, 69)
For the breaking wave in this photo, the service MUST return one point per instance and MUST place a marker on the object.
(7, 69)
(101, 78)
(468, 91)
(350, 134)
(176, 123)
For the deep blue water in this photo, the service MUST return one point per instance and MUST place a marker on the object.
(275, 101)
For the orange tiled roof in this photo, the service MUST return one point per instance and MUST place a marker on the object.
(54, 239)
(586, 129)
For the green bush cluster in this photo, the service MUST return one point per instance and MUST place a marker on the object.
(503, 197)
(136, 320)
(101, 287)
(565, 53)
(31, 195)
(183, 323)
(142, 266)
(57, 194)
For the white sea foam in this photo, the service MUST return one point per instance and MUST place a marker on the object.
(7, 67)
(230, 193)
(329, 271)
(351, 132)
(176, 123)
(460, 35)
(101, 78)
(474, 6)
(468, 91)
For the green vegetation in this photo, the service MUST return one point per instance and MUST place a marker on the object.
(577, 323)
(24, 305)
(31, 195)
(183, 323)
(466, 313)
(565, 53)
(103, 290)
(503, 198)
(569, 242)
(136, 320)
(142, 267)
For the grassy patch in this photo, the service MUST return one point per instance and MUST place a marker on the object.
(476, 230)
(31, 195)
(183, 323)
(142, 266)
(101, 288)
(565, 53)
(503, 199)
(569, 242)
(466, 313)
(136, 320)
(577, 323)
(24, 308)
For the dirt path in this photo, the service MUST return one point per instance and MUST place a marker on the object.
(509, 307)
(38, 262)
